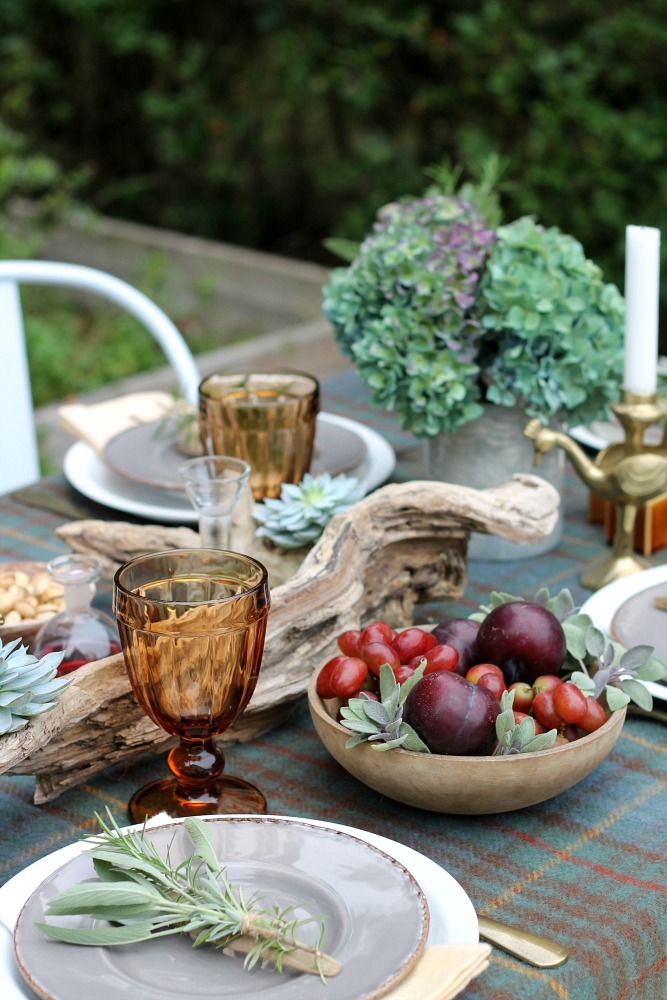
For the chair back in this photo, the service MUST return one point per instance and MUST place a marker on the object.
(19, 461)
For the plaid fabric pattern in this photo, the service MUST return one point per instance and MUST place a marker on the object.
(586, 868)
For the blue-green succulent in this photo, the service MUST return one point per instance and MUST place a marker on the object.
(28, 686)
(440, 313)
(303, 510)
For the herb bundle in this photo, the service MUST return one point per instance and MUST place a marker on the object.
(145, 896)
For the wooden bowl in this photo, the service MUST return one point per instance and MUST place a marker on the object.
(464, 785)
(27, 628)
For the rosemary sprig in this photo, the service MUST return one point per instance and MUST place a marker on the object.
(146, 896)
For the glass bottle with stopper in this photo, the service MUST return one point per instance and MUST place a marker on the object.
(82, 631)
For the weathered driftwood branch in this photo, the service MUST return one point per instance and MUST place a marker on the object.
(396, 546)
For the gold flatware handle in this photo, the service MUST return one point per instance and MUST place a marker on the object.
(532, 948)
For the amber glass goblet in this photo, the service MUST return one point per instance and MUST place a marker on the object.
(268, 419)
(192, 625)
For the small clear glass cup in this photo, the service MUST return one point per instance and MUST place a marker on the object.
(266, 418)
(214, 484)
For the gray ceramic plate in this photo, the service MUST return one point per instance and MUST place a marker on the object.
(638, 622)
(377, 922)
(144, 456)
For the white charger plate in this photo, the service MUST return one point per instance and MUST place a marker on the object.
(605, 602)
(88, 474)
(452, 915)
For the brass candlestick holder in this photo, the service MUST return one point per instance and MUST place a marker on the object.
(629, 474)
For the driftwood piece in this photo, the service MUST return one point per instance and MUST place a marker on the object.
(394, 547)
(116, 542)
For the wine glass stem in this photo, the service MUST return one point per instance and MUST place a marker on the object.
(196, 765)
(214, 531)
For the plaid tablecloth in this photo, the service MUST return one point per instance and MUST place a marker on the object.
(587, 868)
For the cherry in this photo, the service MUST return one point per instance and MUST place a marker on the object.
(493, 683)
(546, 682)
(474, 674)
(375, 654)
(413, 642)
(523, 696)
(569, 702)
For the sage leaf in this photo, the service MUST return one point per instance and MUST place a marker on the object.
(101, 936)
(91, 896)
(411, 740)
(637, 693)
(616, 698)
(200, 835)
(376, 711)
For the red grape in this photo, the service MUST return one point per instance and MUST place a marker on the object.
(413, 642)
(544, 711)
(440, 658)
(347, 676)
(375, 654)
(569, 702)
(402, 672)
(376, 632)
(348, 642)
(594, 718)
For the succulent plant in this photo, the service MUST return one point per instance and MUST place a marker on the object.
(301, 513)
(28, 685)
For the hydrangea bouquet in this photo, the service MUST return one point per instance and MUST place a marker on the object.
(440, 311)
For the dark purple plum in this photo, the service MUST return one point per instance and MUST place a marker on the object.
(461, 633)
(451, 715)
(523, 639)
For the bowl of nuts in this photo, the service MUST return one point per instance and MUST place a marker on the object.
(29, 596)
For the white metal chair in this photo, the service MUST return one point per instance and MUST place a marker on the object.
(19, 463)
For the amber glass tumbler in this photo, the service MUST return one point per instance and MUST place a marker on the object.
(192, 625)
(268, 419)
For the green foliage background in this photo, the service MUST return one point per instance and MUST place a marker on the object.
(275, 123)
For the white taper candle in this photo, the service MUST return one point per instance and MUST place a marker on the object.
(642, 271)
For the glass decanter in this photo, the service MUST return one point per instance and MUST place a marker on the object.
(82, 631)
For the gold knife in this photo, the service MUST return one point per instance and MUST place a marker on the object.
(532, 948)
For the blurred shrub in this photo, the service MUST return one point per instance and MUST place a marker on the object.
(275, 123)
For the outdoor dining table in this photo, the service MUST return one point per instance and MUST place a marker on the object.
(587, 868)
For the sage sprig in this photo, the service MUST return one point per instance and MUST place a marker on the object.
(144, 896)
(381, 722)
(518, 737)
(618, 672)
(596, 665)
